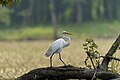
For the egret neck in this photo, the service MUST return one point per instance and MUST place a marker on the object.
(67, 40)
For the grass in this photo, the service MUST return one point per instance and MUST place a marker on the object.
(94, 29)
(25, 33)
(19, 57)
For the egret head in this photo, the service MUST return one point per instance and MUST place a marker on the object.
(65, 32)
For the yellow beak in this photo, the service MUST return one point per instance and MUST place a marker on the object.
(68, 33)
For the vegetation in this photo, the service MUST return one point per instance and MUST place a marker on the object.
(8, 2)
(97, 29)
(67, 11)
(90, 48)
(32, 19)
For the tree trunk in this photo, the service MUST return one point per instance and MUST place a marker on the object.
(79, 11)
(53, 17)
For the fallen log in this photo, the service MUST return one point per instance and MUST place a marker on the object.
(69, 72)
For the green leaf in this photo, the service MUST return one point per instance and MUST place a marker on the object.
(86, 48)
(95, 45)
(89, 40)
(85, 44)
(97, 52)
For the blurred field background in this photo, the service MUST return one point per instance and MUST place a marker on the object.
(28, 27)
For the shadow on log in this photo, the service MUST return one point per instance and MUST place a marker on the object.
(71, 72)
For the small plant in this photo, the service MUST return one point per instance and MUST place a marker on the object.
(90, 48)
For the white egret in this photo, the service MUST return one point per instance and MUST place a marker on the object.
(57, 46)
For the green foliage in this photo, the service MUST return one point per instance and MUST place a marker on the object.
(91, 47)
(5, 15)
(46, 31)
(67, 11)
(9, 2)
(28, 33)
(25, 13)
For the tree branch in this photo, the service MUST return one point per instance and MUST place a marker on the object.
(112, 50)
(110, 57)
(89, 55)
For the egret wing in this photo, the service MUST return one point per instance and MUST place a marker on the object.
(55, 46)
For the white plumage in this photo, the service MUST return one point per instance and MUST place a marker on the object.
(57, 46)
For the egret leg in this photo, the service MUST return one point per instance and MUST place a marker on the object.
(51, 60)
(61, 59)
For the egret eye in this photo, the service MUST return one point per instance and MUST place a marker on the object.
(64, 32)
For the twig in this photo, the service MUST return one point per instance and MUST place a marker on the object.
(95, 69)
(89, 55)
(111, 57)
(94, 74)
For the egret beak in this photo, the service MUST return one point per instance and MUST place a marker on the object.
(68, 33)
